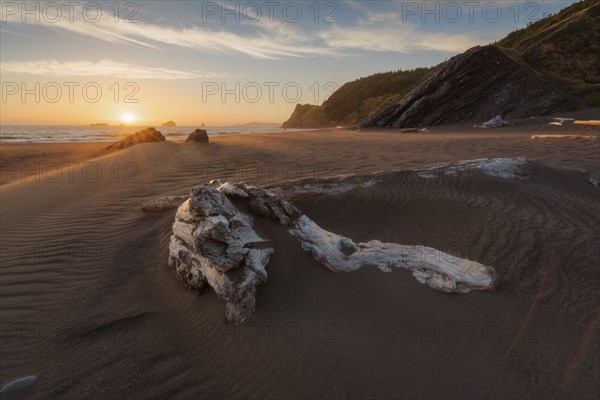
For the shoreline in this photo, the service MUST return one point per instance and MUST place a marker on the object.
(517, 125)
(340, 151)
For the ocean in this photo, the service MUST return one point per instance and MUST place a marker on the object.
(78, 133)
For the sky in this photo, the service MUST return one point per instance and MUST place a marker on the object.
(222, 62)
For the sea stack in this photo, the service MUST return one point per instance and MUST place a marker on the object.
(199, 136)
(147, 135)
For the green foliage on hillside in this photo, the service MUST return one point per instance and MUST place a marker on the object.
(564, 48)
(516, 38)
(350, 99)
(307, 116)
(358, 99)
(594, 99)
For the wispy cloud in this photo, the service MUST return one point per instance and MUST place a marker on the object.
(272, 39)
(9, 32)
(396, 39)
(98, 69)
(374, 31)
(383, 32)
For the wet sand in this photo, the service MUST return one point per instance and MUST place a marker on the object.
(89, 305)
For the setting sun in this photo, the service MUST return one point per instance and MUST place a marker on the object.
(128, 118)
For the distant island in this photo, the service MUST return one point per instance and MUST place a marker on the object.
(169, 123)
(100, 124)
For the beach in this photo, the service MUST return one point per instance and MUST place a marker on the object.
(264, 158)
(300, 200)
(89, 304)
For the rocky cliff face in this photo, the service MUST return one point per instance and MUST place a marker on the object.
(476, 85)
(563, 48)
(356, 100)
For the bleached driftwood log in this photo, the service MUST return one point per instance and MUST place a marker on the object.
(589, 123)
(429, 266)
(568, 137)
(163, 203)
(214, 243)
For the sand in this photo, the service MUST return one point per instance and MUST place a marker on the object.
(89, 305)
(43, 161)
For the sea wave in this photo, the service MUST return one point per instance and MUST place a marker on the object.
(62, 134)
